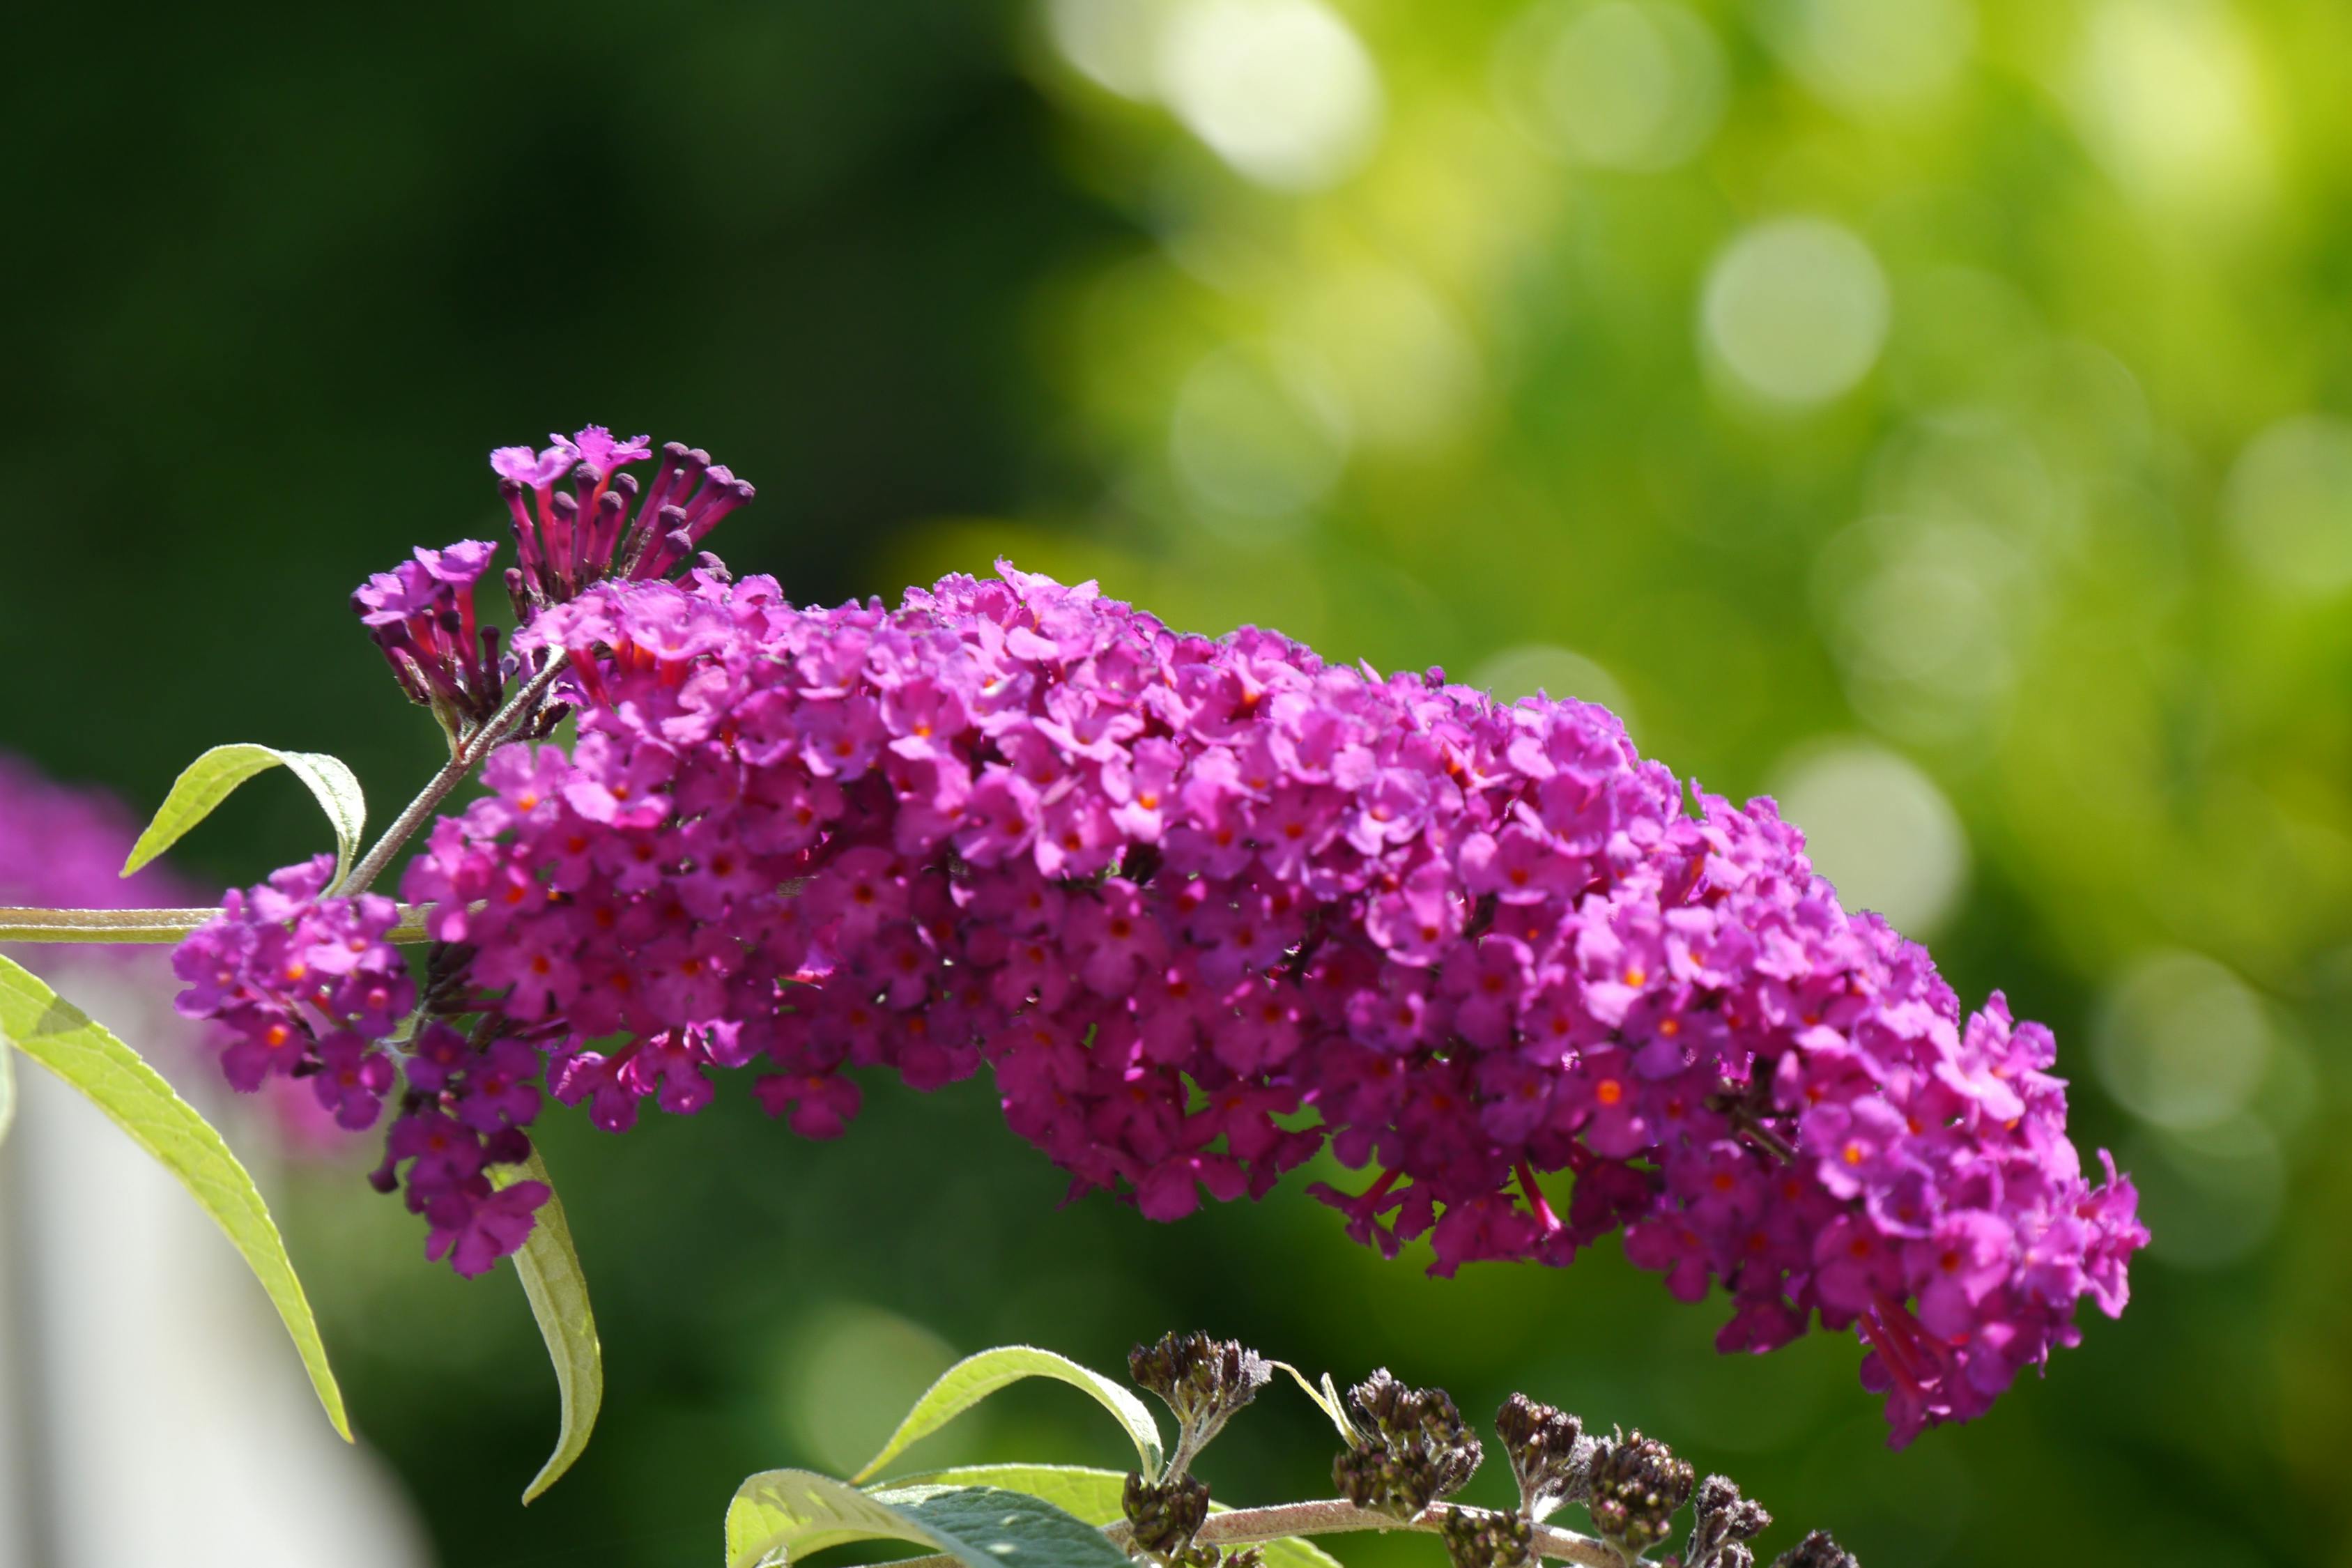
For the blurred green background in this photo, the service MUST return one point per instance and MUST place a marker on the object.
(1933, 412)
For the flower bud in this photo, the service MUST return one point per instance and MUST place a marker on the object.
(1637, 1487)
(1483, 1537)
(1723, 1521)
(1203, 1380)
(1816, 1551)
(1162, 1519)
(1416, 1448)
(1551, 1456)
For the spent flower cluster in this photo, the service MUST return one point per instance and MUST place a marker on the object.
(1409, 1450)
(1205, 907)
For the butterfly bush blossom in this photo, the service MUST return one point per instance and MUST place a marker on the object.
(1204, 906)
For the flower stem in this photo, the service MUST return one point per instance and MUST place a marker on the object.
(463, 759)
(155, 926)
(100, 925)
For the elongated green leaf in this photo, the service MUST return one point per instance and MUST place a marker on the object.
(549, 1267)
(62, 1038)
(781, 1515)
(1326, 1400)
(976, 1377)
(214, 778)
(7, 1090)
(1097, 1497)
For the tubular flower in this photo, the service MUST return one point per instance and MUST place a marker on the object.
(421, 614)
(570, 538)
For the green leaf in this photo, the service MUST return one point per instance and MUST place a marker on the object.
(781, 1515)
(549, 1267)
(214, 778)
(108, 1073)
(1326, 1400)
(1097, 1497)
(7, 1090)
(976, 1377)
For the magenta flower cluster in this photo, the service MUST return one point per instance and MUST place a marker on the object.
(1205, 907)
(305, 987)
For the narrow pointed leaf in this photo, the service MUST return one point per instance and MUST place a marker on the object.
(780, 1516)
(109, 1075)
(214, 778)
(1326, 1400)
(976, 1377)
(549, 1267)
(1097, 1497)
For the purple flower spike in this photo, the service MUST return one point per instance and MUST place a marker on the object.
(1181, 893)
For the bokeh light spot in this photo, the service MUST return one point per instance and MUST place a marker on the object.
(2211, 1196)
(2181, 1041)
(1879, 829)
(1626, 84)
(1532, 667)
(1795, 310)
(2167, 94)
(1257, 436)
(852, 1371)
(1281, 89)
(1918, 615)
(2288, 506)
(1113, 42)
(1869, 55)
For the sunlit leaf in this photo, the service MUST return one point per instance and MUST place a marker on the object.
(214, 778)
(780, 1516)
(1326, 1400)
(1097, 1497)
(108, 1073)
(549, 1267)
(976, 1377)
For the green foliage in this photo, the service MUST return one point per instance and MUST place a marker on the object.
(549, 1267)
(1094, 1496)
(214, 778)
(781, 1515)
(1327, 1399)
(976, 1377)
(109, 1074)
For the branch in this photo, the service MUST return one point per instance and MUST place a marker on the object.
(462, 762)
(149, 926)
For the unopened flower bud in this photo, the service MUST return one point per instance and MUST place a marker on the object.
(1198, 1378)
(1416, 1448)
(1816, 1551)
(1722, 1522)
(1162, 1519)
(1482, 1538)
(1637, 1487)
(1203, 1380)
(1551, 1456)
